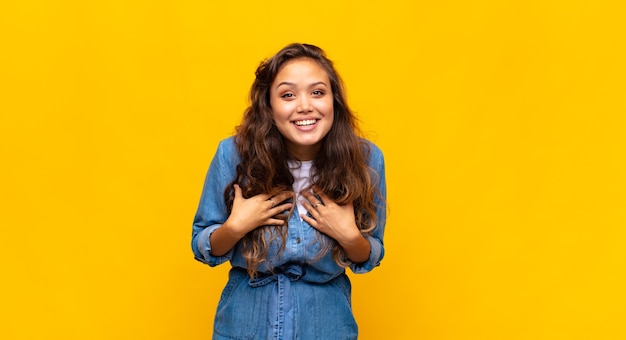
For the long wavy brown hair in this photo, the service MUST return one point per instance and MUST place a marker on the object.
(341, 169)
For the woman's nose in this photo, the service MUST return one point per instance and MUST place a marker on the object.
(304, 105)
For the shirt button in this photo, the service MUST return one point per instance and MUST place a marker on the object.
(297, 240)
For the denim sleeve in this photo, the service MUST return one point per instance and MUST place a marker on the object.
(212, 210)
(375, 238)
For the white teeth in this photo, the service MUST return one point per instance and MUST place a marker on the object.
(305, 122)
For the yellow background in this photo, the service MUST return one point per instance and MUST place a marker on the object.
(503, 125)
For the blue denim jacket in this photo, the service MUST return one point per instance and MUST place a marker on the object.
(298, 267)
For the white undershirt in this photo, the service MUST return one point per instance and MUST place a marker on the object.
(301, 172)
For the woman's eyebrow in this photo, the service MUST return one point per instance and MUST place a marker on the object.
(284, 83)
(318, 83)
(293, 84)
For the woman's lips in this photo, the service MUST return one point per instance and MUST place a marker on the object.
(305, 124)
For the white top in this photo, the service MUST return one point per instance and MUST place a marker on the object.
(301, 179)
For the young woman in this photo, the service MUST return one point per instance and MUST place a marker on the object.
(291, 200)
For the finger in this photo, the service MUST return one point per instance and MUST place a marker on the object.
(283, 196)
(311, 209)
(309, 196)
(270, 202)
(264, 197)
(325, 198)
(261, 198)
(312, 222)
(276, 200)
(274, 221)
(315, 202)
(238, 193)
(280, 208)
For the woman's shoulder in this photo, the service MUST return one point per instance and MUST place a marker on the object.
(371, 148)
(227, 149)
(227, 144)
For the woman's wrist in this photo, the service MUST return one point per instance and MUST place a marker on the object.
(357, 248)
(233, 229)
(224, 238)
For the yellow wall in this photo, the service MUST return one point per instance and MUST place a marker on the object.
(503, 125)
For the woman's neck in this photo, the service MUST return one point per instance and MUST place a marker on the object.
(303, 153)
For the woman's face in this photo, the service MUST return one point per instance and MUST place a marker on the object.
(302, 106)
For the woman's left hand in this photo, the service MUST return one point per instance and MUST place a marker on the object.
(336, 221)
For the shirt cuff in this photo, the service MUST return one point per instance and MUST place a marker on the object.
(376, 254)
(204, 246)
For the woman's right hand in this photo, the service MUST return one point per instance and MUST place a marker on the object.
(250, 213)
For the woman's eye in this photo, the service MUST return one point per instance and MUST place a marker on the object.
(318, 93)
(287, 95)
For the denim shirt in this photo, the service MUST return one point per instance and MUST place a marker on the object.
(302, 244)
